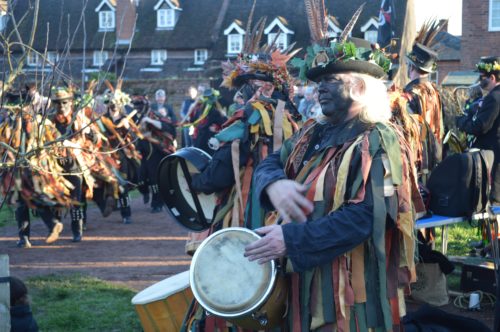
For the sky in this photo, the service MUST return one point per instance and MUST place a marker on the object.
(450, 9)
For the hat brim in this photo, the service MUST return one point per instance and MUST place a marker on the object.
(242, 79)
(427, 70)
(357, 66)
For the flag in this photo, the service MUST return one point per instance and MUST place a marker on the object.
(385, 19)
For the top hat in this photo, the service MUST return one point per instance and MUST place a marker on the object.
(423, 58)
(355, 55)
(488, 64)
(61, 93)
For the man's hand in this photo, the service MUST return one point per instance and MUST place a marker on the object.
(271, 246)
(286, 196)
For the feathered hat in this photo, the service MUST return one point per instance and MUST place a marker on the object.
(115, 95)
(59, 93)
(488, 65)
(330, 56)
(422, 56)
(266, 63)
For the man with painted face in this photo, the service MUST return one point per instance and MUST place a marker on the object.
(342, 193)
(485, 124)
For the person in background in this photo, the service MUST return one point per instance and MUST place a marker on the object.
(485, 124)
(21, 316)
(186, 104)
(309, 106)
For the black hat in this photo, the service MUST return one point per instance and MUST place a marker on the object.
(423, 58)
(364, 62)
(18, 98)
(488, 64)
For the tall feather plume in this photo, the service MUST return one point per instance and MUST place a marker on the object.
(248, 29)
(256, 36)
(348, 28)
(317, 19)
(429, 30)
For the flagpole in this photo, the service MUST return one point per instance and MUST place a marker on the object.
(407, 37)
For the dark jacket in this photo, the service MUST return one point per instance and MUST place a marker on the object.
(485, 125)
(22, 320)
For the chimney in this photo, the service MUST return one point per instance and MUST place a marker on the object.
(445, 28)
(125, 21)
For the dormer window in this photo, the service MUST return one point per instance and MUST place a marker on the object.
(370, 30)
(234, 35)
(279, 32)
(334, 29)
(106, 12)
(167, 14)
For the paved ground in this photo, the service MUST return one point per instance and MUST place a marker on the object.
(136, 255)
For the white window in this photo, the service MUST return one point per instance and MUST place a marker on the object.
(32, 59)
(158, 57)
(200, 56)
(281, 42)
(106, 20)
(371, 36)
(165, 18)
(234, 43)
(52, 57)
(100, 58)
(494, 15)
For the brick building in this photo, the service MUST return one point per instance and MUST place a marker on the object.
(480, 37)
(165, 40)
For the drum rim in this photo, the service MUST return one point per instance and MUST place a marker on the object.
(247, 311)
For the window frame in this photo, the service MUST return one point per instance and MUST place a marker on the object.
(375, 32)
(157, 60)
(102, 16)
(99, 58)
(33, 60)
(283, 37)
(229, 42)
(491, 27)
(167, 14)
(53, 54)
(200, 56)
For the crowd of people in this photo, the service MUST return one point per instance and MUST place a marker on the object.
(332, 171)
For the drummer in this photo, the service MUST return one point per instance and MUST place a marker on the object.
(249, 135)
(342, 218)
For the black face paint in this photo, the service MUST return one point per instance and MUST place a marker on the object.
(247, 91)
(484, 82)
(334, 99)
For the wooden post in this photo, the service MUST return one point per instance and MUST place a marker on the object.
(4, 294)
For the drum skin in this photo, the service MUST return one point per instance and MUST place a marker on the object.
(162, 306)
(228, 285)
(191, 210)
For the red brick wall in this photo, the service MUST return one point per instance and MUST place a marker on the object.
(444, 67)
(477, 41)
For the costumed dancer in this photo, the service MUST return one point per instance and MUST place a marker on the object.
(254, 131)
(29, 174)
(423, 97)
(348, 215)
(120, 130)
(206, 117)
(158, 127)
(74, 156)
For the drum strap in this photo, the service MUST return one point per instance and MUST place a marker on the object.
(235, 155)
(278, 125)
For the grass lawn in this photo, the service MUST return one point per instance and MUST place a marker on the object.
(79, 303)
(7, 216)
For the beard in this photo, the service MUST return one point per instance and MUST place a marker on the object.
(335, 101)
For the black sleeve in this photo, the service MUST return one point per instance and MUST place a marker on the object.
(168, 127)
(484, 119)
(171, 114)
(219, 174)
(317, 242)
(269, 170)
